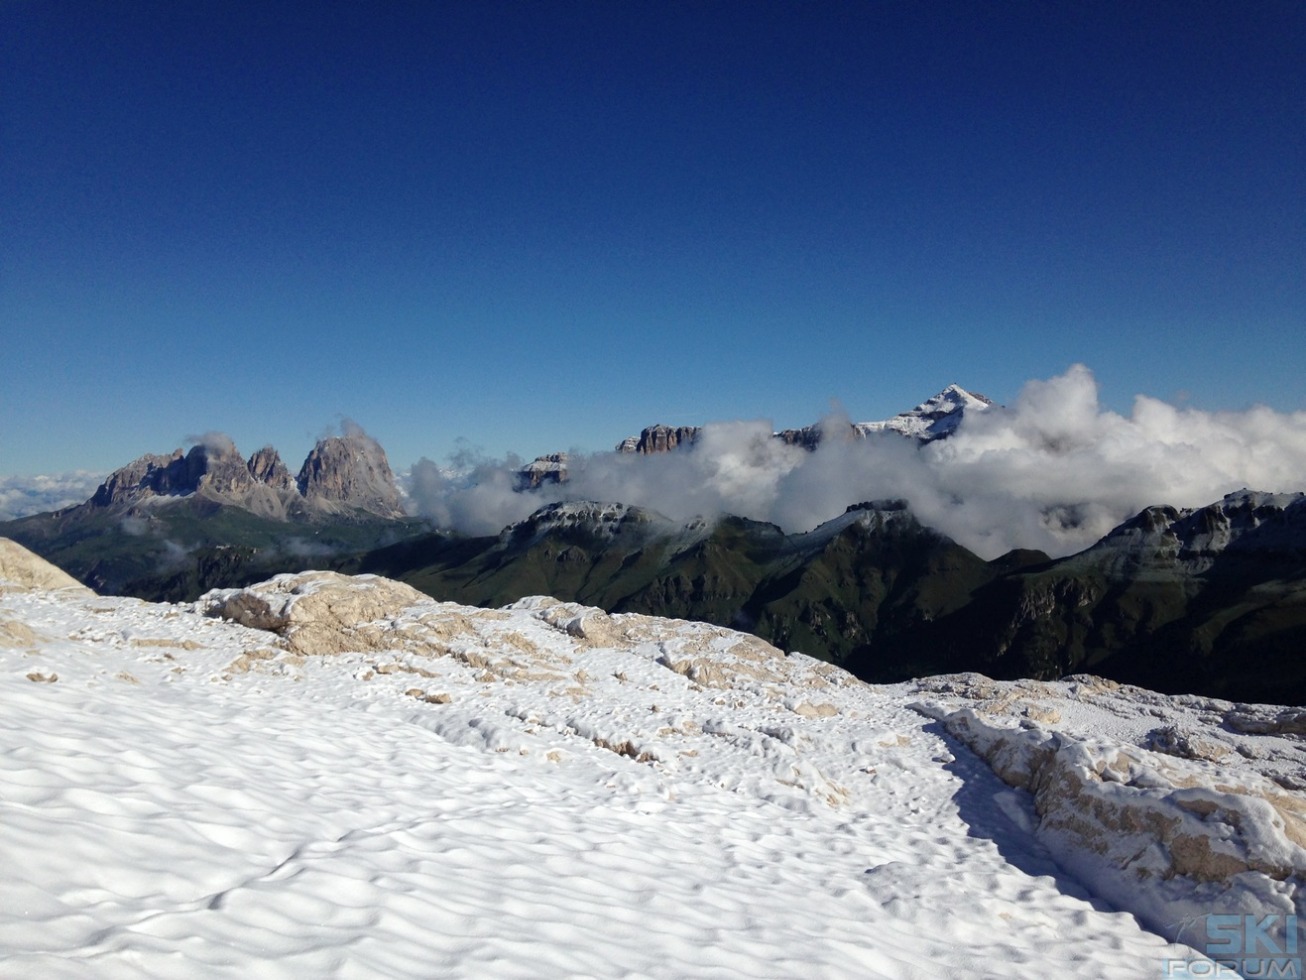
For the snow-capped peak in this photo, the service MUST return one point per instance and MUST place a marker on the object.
(934, 418)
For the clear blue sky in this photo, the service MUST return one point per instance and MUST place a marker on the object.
(543, 225)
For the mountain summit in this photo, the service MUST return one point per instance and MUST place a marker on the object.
(350, 472)
(934, 418)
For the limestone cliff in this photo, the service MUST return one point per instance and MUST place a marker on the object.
(661, 439)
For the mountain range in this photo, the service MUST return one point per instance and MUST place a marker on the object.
(1209, 600)
(343, 475)
(935, 418)
(168, 526)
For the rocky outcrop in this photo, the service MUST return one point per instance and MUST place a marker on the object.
(342, 474)
(22, 570)
(326, 613)
(1141, 825)
(808, 437)
(319, 612)
(350, 472)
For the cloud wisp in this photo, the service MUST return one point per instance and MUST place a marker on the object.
(1054, 471)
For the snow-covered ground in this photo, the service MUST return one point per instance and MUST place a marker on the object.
(366, 783)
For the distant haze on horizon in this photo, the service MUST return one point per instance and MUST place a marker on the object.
(526, 228)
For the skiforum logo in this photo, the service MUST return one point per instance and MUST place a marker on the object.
(1248, 946)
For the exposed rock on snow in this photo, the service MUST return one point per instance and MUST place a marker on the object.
(320, 612)
(1163, 820)
(1266, 720)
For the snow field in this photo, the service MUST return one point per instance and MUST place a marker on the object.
(572, 809)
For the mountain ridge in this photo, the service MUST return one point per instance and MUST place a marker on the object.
(888, 598)
(1209, 599)
(340, 474)
(935, 418)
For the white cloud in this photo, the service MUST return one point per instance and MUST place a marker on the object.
(1054, 471)
(21, 496)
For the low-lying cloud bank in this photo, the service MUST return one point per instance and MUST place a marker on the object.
(21, 496)
(1054, 471)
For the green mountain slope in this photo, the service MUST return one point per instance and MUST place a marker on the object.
(178, 549)
(1210, 601)
(837, 592)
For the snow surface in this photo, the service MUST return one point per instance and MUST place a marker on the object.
(542, 790)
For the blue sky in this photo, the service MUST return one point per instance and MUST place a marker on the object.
(536, 226)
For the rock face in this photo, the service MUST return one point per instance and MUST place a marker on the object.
(265, 466)
(149, 473)
(808, 437)
(341, 474)
(350, 472)
(660, 439)
(1246, 525)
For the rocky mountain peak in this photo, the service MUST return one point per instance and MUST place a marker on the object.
(340, 474)
(213, 465)
(149, 474)
(265, 466)
(935, 418)
(217, 466)
(350, 472)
